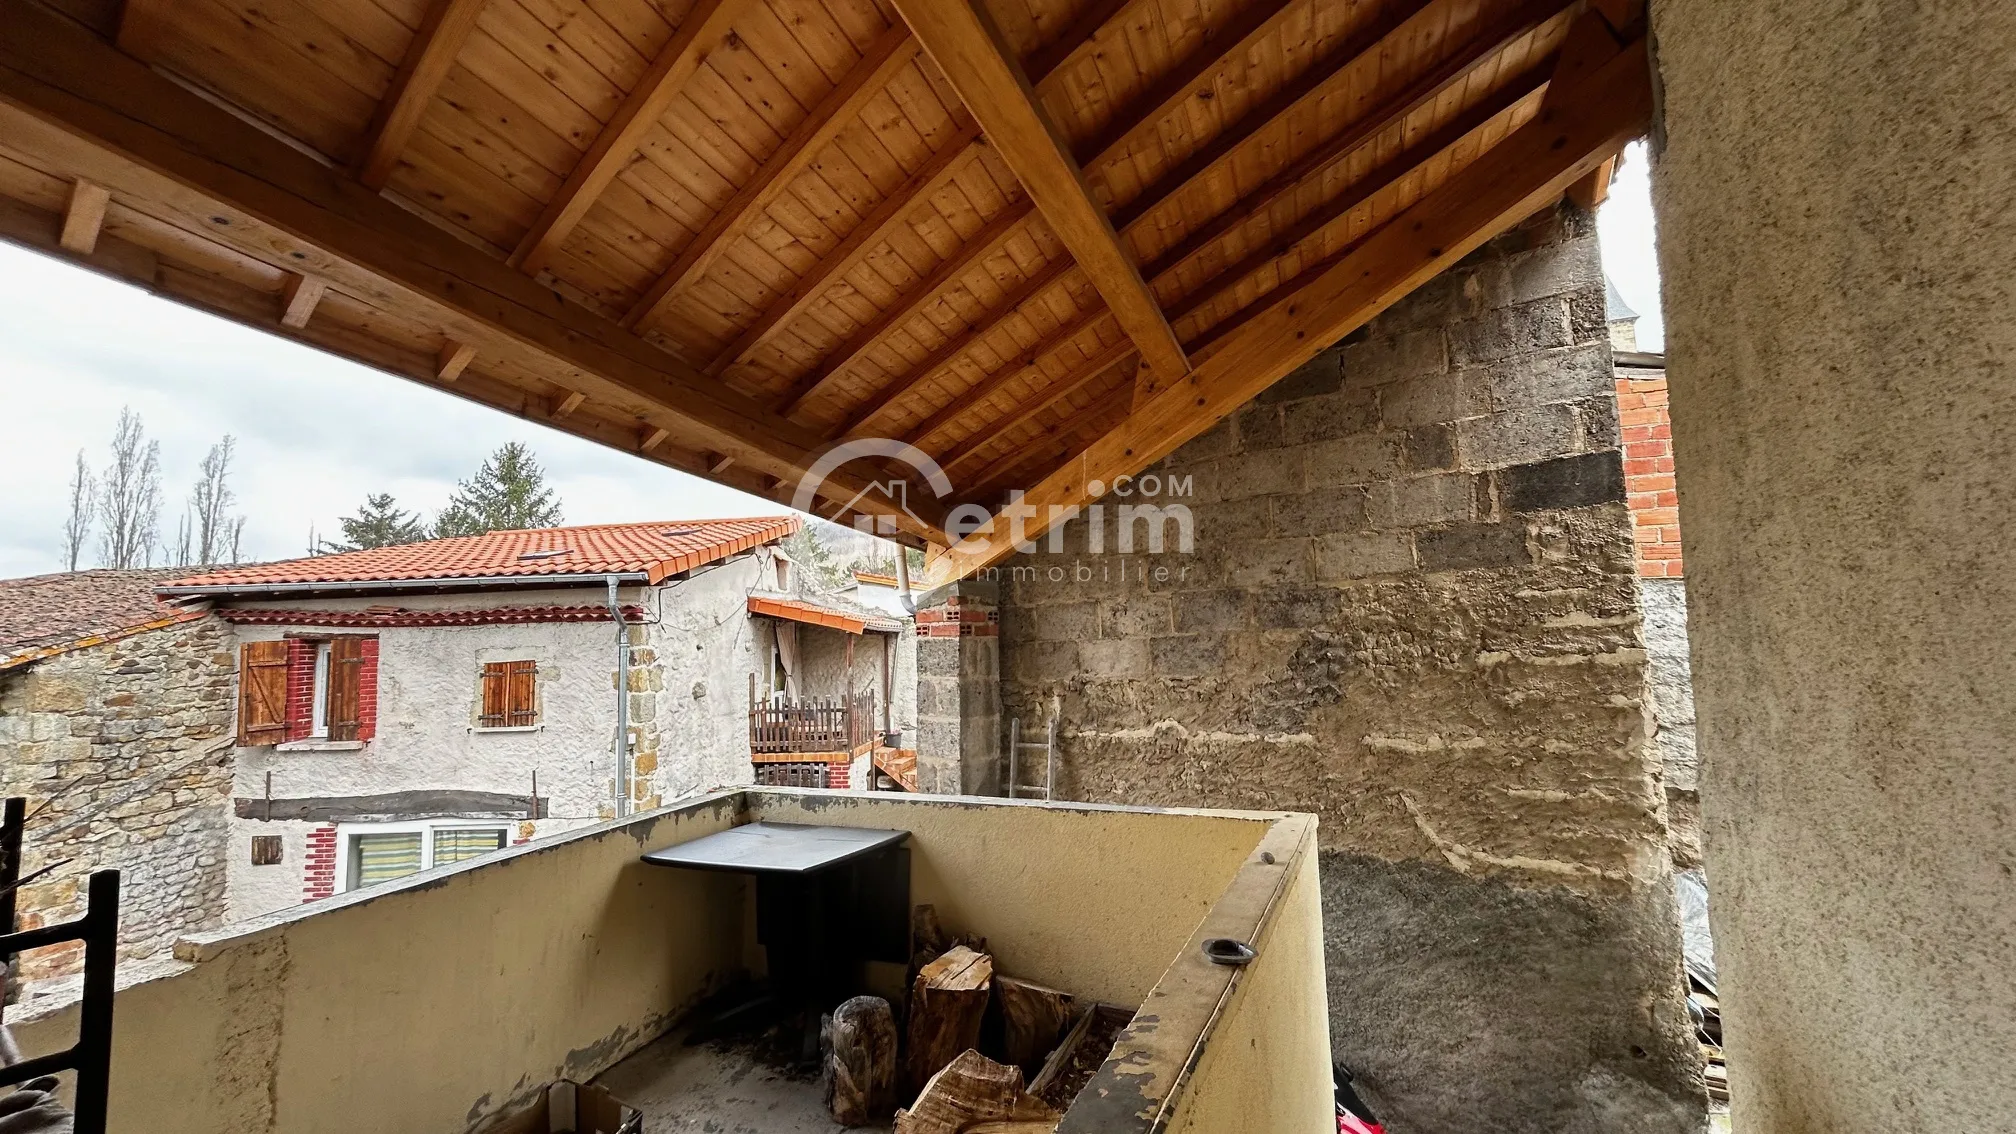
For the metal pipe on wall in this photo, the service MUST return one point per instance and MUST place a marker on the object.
(622, 748)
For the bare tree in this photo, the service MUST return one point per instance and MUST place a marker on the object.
(129, 496)
(237, 540)
(209, 501)
(83, 509)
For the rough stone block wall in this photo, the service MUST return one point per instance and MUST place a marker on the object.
(1411, 609)
(123, 751)
(959, 719)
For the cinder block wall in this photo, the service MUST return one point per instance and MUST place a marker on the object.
(1410, 608)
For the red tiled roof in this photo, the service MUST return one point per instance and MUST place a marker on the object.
(495, 616)
(813, 614)
(653, 550)
(48, 614)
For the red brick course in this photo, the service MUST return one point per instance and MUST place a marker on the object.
(319, 873)
(1645, 417)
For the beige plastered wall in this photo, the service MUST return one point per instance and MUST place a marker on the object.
(1836, 236)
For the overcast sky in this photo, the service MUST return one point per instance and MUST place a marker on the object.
(316, 434)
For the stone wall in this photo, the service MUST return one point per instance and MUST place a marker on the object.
(1671, 684)
(123, 751)
(1411, 609)
(959, 713)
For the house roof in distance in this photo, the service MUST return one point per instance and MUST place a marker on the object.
(48, 614)
(650, 551)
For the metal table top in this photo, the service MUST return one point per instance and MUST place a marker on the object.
(776, 848)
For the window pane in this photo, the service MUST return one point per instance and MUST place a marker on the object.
(381, 858)
(457, 844)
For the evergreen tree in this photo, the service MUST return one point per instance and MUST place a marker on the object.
(815, 559)
(379, 523)
(509, 492)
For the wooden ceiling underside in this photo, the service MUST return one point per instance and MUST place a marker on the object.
(725, 234)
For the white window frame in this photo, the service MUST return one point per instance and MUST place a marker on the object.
(346, 834)
(318, 718)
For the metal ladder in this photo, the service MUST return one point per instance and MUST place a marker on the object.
(1048, 746)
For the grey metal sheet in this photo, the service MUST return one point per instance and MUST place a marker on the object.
(776, 848)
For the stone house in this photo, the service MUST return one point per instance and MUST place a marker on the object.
(407, 707)
(115, 724)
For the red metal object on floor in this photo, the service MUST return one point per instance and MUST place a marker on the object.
(1352, 1124)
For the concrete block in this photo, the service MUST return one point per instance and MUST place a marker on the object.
(1136, 616)
(1217, 524)
(1379, 360)
(1067, 622)
(1323, 374)
(1114, 657)
(1470, 546)
(1430, 447)
(1421, 501)
(1359, 555)
(1435, 398)
(1538, 325)
(1213, 610)
(1516, 437)
(1566, 482)
(1564, 374)
(1296, 608)
(1187, 655)
(1267, 562)
(1358, 459)
(1596, 422)
(1246, 475)
(1319, 511)
(1341, 414)
(1555, 270)
(1217, 441)
(1258, 426)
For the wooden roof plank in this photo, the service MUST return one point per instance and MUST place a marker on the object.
(1059, 52)
(419, 77)
(698, 34)
(1503, 186)
(1030, 362)
(961, 41)
(1105, 362)
(890, 54)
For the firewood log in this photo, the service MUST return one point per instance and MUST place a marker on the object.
(1033, 1019)
(972, 1093)
(946, 1005)
(860, 1073)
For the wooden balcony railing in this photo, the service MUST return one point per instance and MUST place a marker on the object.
(820, 724)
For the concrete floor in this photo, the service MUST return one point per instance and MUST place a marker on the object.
(718, 1088)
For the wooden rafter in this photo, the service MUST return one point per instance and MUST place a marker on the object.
(1065, 47)
(1028, 365)
(884, 59)
(84, 217)
(93, 112)
(1102, 364)
(428, 60)
(1507, 183)
(1049, 456)
(141, 24)
(961, 40)
(704, 26)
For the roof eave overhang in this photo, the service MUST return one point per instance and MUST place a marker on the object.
(384, 586)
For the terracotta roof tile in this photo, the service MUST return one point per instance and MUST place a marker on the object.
(654, 550)
(47, 613)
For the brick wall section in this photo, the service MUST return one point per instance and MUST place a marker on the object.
(367, 692)
(319, 869)
(123, 752)
(300, 688)
(1412, 609)
(1648, 471)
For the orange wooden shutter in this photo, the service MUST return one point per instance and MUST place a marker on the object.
(496, 684)
(262, 693)
(521, 707)
(346, 671)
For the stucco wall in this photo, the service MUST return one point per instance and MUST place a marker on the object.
(1411, 608)
(122, 751)
(1835, 228)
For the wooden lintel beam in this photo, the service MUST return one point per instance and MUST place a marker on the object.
(298, 297)
(853, 248)
(982, 245)
(948, 351)
(428, 59)
(84, 216)
(1029, 364)
(884, 59)
(961, 40)
(82, 108)
(453, 360)
(1505, 185)
(1102, 364)
(620, 137)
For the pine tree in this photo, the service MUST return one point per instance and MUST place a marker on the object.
(509, 492)
(379, 523)
(815, 559)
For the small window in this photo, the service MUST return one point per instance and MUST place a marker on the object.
(267, 850)
(382, 856)
(457, 844)
(319, 724)
(510, 695)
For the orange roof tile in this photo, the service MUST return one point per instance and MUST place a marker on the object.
(653, 550)
(813, 614)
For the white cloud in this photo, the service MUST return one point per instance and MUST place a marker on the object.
(315, 432)
(1624, 226)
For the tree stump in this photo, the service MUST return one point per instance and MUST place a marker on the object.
(946, 1005)
(1033, 1019)
(860, 1079)
(973, 1092)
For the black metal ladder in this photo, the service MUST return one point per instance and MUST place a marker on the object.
(91, 1056)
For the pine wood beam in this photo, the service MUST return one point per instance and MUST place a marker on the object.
(929, 178)
(428, 60)
(298, 298)
(1062, 50)
(1506, 184)
(141, 26)
(1064, 435)
(884, 59)
(84, 216)
(1029, 365)
(961, 40)
(84, 109)
(619, 139)
(1105, 362)
(453, 360)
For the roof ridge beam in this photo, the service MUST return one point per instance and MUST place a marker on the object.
(704, 26)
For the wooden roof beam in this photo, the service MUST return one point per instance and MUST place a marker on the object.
(1064, 435)
(1028, 365)
(883, 60)
(961, 40)
(620, 137)
(1104, 363)
(141, 24)
(428, 59)
(94, 112)
(1508, 183)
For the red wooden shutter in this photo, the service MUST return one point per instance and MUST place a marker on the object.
(262, 693)
(496, 682)
(521, 707)
(346, 671)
